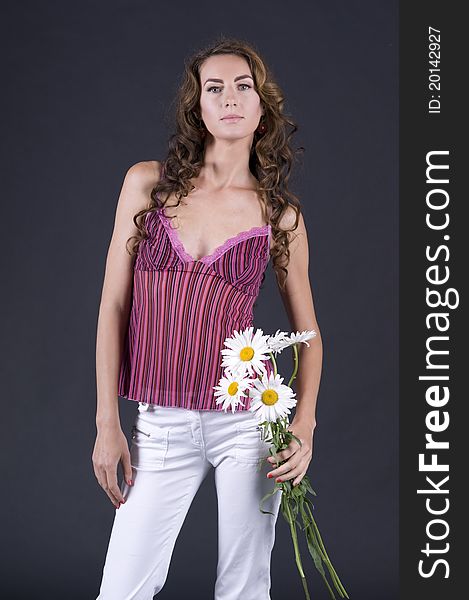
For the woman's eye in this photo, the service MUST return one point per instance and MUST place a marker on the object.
(216, 87)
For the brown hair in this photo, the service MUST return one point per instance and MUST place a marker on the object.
(270, 159)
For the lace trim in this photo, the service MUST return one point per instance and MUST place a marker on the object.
(176, 242)
(233, 241)
(215, 255)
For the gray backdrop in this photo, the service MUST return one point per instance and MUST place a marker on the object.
(88, 91)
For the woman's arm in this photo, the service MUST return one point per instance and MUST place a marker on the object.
(117, 289)
(112, 323)
(298, 301)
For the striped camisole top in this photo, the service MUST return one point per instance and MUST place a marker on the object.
(183, 310)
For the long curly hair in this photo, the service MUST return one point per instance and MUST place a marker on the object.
(270, 159)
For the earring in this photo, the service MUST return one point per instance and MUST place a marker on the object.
(262, 128)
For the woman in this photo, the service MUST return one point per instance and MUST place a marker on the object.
(164, 316)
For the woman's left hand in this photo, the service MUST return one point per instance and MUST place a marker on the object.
(298, 457)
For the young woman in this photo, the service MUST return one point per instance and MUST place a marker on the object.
(189, 281)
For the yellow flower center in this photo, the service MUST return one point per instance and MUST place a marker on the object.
(269, 397)
(246, 353)
(233, 388)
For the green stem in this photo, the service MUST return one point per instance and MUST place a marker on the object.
(274, 362)
(321, 548)
(295, 362)
(292, 523)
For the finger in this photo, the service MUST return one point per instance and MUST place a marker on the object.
(304, 450)
(102, 480)
(289, 451)
(290, 475)
(108, 487)
(285, 468)
(298, 479)
(113, 488)
(100, 473)
(127, 467)
(105, 487)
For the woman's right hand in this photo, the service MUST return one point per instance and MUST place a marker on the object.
(111, 447)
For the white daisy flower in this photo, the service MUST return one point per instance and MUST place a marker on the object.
(302, 337)
(270, 399)
(230, 390)
(281, 340)
(245, 352)
(276, 342)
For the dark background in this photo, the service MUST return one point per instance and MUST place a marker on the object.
(87, 91)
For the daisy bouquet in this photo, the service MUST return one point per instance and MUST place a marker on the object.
(271, 401)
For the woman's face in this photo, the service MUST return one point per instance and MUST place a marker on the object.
(227, 87)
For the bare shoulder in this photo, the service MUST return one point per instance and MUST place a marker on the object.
(144, 175)
(288, 218)
(287, 222)
(135, 196)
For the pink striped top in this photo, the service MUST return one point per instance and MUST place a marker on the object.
(182, 311)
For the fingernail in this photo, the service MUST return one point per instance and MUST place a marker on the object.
(269, 475)
(278, 480)
(130, 482)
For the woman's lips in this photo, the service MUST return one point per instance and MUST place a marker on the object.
(232, 119)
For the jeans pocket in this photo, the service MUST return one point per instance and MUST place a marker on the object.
(149, 447)
(250, 448)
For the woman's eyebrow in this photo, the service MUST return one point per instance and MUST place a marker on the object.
(236, 78)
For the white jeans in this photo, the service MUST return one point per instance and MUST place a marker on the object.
(172, 450)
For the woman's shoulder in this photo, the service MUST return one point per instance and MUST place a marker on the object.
(288, 219)
(145, 174)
